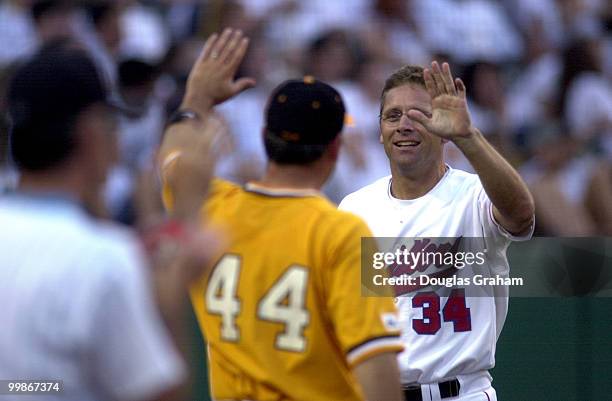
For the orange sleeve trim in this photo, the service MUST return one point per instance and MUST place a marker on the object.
(374, 347)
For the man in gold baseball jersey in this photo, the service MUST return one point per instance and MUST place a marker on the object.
(282, 310)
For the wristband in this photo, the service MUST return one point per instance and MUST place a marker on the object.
(182, 115)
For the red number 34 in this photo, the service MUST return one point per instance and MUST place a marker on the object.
(454, 311)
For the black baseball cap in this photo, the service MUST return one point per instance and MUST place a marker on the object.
(55, 85)
(46, 95)
(305, 111)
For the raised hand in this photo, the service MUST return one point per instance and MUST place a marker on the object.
(450, 117)
(211, 80)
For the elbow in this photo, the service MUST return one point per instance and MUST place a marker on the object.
(524, 215)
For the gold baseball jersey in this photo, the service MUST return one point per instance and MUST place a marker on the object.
(282, 309)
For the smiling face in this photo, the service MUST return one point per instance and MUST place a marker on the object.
(409, 151)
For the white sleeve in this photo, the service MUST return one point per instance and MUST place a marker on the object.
(490, 226)
(347, 204)
(134, 357)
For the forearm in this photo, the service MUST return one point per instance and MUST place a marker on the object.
(379, 378)
(187, 163)
(502, 183)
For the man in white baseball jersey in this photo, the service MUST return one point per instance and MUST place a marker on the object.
(77, 301)
(450, 339)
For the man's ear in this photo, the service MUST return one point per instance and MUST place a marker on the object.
(380, 138)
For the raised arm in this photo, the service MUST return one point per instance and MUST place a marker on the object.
(513, 205)
(187, 153)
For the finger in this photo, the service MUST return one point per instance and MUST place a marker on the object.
(418, 117)
(437, 77)
(208, 45)
(447, 78)
(235, 58)
(420, 127)
(220, 44)
(429, 83)
(228, 50)
(460, 87)
(243, 84)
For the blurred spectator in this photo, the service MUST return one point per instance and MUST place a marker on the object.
(393, 34)
(175, 70)
(581, 18)
(8, 175)
(541, 22)
(363, 158)
(527, 61)
(572, 190)
(181, 17)
(487, 101)
(145, 35)
(100, 31)
(585, 98)
(53, 20)
(468, 30)
(531, 96)
(246, 155)
(333, 57)
(139, 134)
(16, 29)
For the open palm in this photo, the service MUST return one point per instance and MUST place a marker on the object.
(450, 117)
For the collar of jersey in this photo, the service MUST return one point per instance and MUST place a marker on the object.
(280, 192)
(46, 200)
(436, 190)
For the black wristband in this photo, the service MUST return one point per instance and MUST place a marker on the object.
(182, 115)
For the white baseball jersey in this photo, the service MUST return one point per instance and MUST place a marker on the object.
(442, 343)
(77, 306)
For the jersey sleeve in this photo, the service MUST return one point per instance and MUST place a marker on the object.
(496, 237)
(365, 326)
(133, 356)
(490, 226)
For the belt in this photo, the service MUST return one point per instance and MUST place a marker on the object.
(448, 389)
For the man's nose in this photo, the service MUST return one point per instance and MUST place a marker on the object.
(405, 123)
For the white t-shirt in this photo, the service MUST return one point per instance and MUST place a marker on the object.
(77, 305)
(456, 207)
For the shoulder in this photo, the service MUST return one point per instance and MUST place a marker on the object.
(221, 187)
(362, 197)
(340, 232)
(220, 192)
(118, 256)
(461, 178)
(461, 184)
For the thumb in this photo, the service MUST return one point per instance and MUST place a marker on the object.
(243, 84)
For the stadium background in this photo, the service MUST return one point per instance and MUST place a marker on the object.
(539, 78)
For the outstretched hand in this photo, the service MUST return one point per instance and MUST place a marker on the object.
(450, 117)
(211, 80)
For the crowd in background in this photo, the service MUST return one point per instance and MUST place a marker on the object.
(538, 74)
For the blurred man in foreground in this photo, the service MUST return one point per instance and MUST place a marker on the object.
(77, 298)
(282, 309)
